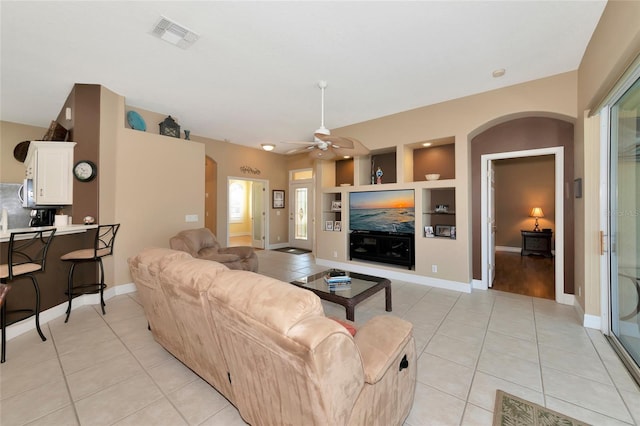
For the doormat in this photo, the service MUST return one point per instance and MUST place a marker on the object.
(293, 250)
(511, 410)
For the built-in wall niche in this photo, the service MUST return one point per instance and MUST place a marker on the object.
(384, 162)
(344, 172)
(332, 211)
(439, 213)
(438, 158)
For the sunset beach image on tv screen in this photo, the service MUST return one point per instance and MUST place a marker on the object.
(384, 211)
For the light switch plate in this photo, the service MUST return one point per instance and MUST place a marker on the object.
(191, 218)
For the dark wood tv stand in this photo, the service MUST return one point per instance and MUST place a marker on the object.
(384, 247)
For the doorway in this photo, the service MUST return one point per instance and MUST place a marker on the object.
(247, 215)
(210, 194)
(301, 209)
(488, 244)
(522, 184)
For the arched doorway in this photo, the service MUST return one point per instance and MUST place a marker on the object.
(524, 133)
(210, 194)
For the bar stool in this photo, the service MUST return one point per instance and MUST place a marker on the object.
(27, 255)
(103, 246)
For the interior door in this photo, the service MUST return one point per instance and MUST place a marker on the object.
(258, 214)
(301, 215)
(491, 224)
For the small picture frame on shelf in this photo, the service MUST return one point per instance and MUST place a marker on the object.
(328, 225)
(337, 226)
(443, 231)
(278, 199)
(336, 205)
(428, 232)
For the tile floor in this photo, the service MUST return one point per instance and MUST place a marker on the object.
(108, 370)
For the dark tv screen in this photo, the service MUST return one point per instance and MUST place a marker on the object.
(385, 211)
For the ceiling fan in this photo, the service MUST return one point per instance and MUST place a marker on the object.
(324, 146)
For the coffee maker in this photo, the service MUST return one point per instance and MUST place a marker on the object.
(42, 217)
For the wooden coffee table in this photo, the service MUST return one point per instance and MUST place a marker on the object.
(362, 286)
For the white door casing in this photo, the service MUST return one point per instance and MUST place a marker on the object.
(558, 153)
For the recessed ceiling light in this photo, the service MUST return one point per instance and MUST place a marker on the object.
(426, 144)
(268, 146)
(174, 33)
(346, 156)
(498, 73)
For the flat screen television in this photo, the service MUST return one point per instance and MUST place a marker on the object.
(383, 211)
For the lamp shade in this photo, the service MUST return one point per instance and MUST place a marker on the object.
(536, 212)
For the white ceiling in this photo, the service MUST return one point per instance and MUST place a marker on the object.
(252, 76)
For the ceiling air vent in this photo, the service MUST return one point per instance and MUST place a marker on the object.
(174, 33)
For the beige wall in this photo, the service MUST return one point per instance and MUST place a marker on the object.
(461, 119)
(11, 134)
(149, 183)
(613, 47)
(520, 185)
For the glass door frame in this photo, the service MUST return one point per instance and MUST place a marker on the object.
(607, 239)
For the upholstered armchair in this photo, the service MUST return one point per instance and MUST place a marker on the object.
(202, 244)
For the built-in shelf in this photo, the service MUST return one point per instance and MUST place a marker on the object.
(332, 211)
(439, 222)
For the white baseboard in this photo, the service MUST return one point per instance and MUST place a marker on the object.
(240, 234)
(588, 321)
(21, 327)
(398, 274)
(478, 285)
(277, 246)
(592, 321)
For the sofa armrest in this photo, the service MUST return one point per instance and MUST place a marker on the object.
(241, 251)
(217, 255)
(380, 341)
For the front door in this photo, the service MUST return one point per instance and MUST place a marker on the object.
(258, 214)
(301, 215)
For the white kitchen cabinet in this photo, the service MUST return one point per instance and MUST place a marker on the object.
(50, 165)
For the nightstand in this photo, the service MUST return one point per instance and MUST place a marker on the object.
(536, 243)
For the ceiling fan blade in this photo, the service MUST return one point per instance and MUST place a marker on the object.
(300, 142)
(299, 150)
(337, 141)
(320, 154)
(358, 149)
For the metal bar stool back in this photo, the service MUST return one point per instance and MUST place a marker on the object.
(103, 246)
(26, 255)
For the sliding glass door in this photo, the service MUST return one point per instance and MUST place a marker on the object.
(624, 222)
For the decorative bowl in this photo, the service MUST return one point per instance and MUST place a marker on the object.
(432, 176)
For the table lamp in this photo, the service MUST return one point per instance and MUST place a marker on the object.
(537, 213)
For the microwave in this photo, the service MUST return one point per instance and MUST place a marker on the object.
(27, 196)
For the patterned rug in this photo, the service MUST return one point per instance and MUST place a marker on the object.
(293, 250)
(511, 410)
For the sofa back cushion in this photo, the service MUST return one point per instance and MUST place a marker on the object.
(145, 270)
(185, 284)
(288, 363)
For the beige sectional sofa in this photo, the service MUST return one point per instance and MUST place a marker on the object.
(268, 348)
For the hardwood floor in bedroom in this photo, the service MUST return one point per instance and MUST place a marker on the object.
(527, 275)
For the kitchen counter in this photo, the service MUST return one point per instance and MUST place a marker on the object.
(60, 230)
(53, 281)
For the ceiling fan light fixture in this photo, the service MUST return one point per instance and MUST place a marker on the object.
(268, 146)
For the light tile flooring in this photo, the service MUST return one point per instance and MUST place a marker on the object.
(104, 370)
